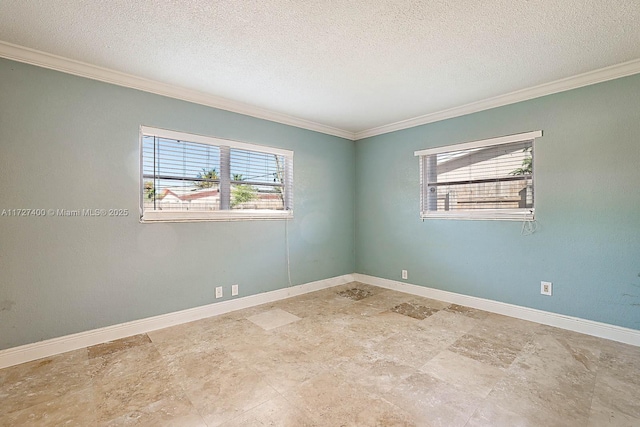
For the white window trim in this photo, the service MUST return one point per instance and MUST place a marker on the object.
(237, 215)
(210, 140)
(481, 143)
(520, 214)
(222, 215)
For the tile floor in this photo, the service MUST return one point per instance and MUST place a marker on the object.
(355, 355)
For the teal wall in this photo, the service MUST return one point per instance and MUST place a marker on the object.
(72, 143)
(587, 188)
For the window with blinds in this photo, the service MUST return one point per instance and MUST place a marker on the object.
(187, 177)
(488, 179)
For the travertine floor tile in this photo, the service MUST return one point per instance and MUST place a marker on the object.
(117, 397)
(273, 318)
(75, 408)
(467, 311)
(234, 335)
(409, 349)
(574, 338)
(125, 362)
(476, 377)
(375, 373)
(179, 338)
(275, 412)
(227, 391)
(40, 381)
(314, 305)
(333, 339)
(498, 329)
(308, 331)
(331, 400)
(173, 411)
(414, 310)
(287, 375)
(619, 395)
(352, 355)
(380, 301)
(370, 290)
(361, 330)
(449, 324)
(396, 322)
(620, 361)
(113, 347)
(355, 294)
(432, 402)
(553, 363)
(431, 303)
(485, 350)
(488, 415)
(603, 416)
(543, 404)
(196, 366)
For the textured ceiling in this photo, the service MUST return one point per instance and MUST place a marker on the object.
(353, 65)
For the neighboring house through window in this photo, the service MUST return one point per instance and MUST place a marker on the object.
(488, 179)
(186, 177)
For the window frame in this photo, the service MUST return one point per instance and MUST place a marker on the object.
(217, 215)
(508, 214)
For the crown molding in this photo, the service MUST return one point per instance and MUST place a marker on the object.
(82, 69)
(589, 78)
(70, 66)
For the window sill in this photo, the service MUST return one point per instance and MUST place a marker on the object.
(239, 215)
(486, 215)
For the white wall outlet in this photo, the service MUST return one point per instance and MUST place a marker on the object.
(219, 292)
(405, 275)
(234, 290)
(546, 288)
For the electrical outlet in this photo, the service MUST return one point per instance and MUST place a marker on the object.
(405, 275)
(546, 288)
(234, 290)
(219, 292)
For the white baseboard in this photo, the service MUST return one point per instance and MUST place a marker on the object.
(50, 347)
(29, 352)
(589, 327)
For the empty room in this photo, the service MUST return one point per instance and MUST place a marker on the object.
(281, 213)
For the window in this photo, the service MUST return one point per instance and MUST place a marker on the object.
(188, 177)
(489, 179)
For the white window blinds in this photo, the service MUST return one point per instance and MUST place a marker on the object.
(489, 179)
(188, 177)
